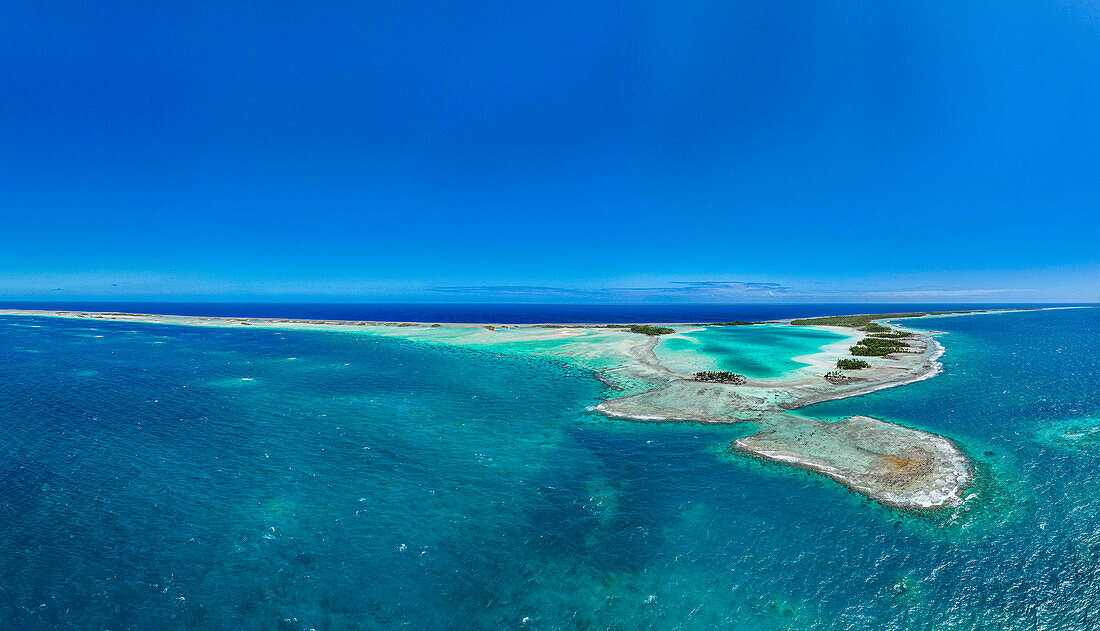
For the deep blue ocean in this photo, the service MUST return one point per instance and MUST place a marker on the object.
(171, 477)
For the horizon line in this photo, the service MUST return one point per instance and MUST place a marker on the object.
(521, 303)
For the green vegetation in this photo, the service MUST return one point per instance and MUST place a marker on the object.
(404, 324)
(720, 376)
(878, 347)
(490, 327)
(837, 377)
(851, 364)
(897, 335)
(435, 326)
(650, 330)
(882, 342)
(875, 327)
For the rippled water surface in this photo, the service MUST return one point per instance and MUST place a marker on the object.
(166, 477)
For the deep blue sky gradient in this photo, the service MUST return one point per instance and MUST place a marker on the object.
(569, 151)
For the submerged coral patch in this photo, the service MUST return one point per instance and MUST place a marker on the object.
(1081, 434)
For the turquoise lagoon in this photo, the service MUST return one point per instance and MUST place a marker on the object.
(171, 477)
(763, 351)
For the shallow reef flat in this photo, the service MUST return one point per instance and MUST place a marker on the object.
(898, 466)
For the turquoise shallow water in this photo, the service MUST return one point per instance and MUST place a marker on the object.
(165, 477)
(762, 351)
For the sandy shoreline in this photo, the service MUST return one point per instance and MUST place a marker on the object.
(895, 465)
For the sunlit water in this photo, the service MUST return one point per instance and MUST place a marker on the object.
(160, 477)
(765, 351)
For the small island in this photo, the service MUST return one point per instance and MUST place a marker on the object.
(720, 376)
(851, 364)
(648, 329)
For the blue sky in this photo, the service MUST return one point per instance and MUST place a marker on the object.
(569, 151)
